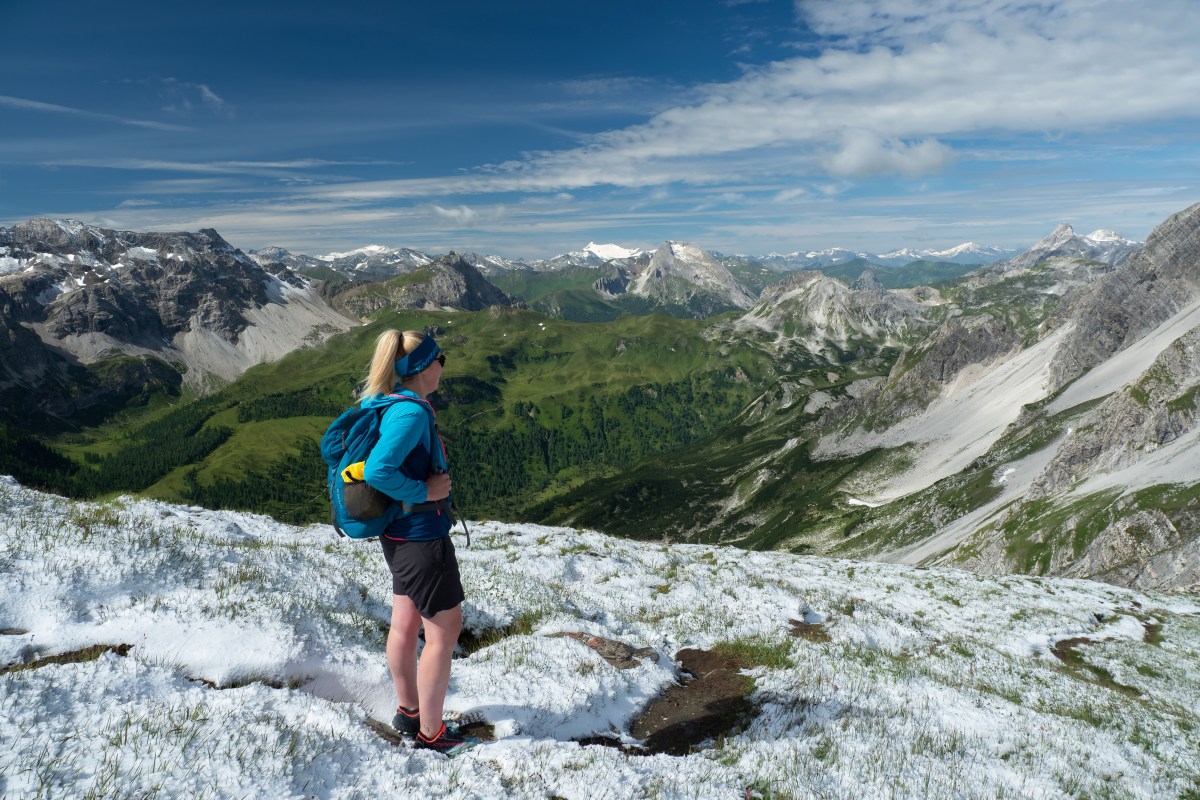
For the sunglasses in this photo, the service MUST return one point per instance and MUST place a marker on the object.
(441, 359)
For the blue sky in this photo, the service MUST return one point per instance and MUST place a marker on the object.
(529, 128)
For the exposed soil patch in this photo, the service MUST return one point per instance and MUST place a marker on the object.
(73, 657)
(711, 702)
(385, 732)
(812, 631)
(238, 683)
(1065, 651)
(472, 641)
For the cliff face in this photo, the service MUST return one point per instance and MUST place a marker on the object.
(829, 319)
(921, 374)
(1126, 304)
(74, 297)
(679, 277)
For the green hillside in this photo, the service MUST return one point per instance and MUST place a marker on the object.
(531, 286)
(529, 407)
(753, 275)
(915, 273)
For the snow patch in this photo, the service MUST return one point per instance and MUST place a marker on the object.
(610, 251)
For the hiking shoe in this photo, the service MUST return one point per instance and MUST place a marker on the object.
(407, 723)
(449, 740)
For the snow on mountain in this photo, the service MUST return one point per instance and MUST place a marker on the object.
(491, 265)
(367, 251)
(1063, 243)
(965, 253)
(608, 252)
(183, 298)
(790, 262)
(680, 273)
(594, 255)
(234, 656)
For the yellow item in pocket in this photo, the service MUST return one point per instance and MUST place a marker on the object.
(354, 472)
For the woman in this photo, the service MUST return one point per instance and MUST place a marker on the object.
(408, 464)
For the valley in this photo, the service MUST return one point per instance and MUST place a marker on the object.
(1010, 416)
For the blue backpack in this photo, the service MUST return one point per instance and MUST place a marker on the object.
(357, 509)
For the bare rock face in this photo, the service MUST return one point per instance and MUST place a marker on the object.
(1064, 244)
(677, 276)
(1153, 411)
(1133, 540)
(451, 282)
(1126, 304)
(921, 374)
(1145, 552)
(867, 282)
(87, 295)
(830, 317)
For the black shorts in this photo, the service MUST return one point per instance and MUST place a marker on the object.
(425, 572)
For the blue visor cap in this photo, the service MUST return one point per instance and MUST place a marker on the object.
(420, 358)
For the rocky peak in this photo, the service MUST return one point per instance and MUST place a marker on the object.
(867, 282)
(92, 293)
(829, 318)
(451, 282)
(1126, 304)
(1063, 243)
(680, 273)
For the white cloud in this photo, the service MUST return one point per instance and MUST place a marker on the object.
(36, 105)
(459, 215)
(184, 98)
(898, 88)
(865, 154)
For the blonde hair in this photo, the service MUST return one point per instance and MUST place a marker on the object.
(390, 346)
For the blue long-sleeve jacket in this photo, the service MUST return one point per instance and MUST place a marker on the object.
(400, 463)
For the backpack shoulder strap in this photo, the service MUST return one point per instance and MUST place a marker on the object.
(436, 446)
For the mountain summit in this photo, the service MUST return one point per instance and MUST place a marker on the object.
(681, 276)
(138, 311)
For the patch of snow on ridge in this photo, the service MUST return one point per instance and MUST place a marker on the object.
(915, 705)
(1106, 236)
(369, 250)
(144, 253)
(610, 251)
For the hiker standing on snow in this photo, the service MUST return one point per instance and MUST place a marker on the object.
(426, 589)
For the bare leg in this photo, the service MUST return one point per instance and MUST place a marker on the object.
(402, 649)
(433, 675)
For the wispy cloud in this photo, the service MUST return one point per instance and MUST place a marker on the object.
(899, 88)
(459, 215)
(183, 98)
(36, 105)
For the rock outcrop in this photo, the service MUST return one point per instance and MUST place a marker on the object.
(450, 282)
(74, 296)
(677, 277)
(922, 373)
(1124, 306)
(829, 318)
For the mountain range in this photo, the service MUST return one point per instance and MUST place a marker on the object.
(1035, 414)
(92, 318)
